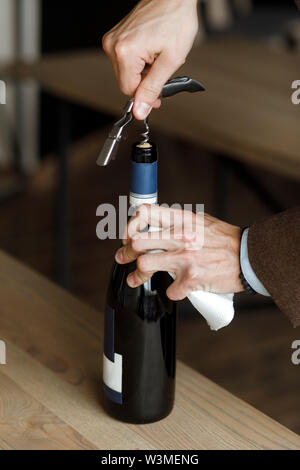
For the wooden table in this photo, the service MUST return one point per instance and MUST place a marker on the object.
(246, 113)
(50, 388)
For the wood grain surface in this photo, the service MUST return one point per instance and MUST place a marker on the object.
(246, 112)
(50, 389)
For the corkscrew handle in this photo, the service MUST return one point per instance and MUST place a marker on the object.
(179, 85)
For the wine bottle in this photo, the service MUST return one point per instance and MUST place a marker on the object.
(140, 325)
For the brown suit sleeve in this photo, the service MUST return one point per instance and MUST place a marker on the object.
(274, 254)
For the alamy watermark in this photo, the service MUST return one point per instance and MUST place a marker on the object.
(2, 92)
(296, 354)
(152, 221)
(295, 97)
(2, 353)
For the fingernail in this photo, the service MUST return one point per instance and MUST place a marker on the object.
(142, 110)
(130, 280)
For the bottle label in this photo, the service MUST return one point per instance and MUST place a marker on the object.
(112, 378)
(144, 178)
(112, 362)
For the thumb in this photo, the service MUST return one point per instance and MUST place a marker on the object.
(151, 86)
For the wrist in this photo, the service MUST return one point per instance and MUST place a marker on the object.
(249, 278)
(237, 237)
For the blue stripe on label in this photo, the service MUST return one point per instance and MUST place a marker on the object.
(116, 397)
(144, 178)
(109, 333)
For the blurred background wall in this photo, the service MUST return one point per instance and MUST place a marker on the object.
(20, 23)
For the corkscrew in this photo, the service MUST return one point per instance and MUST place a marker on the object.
(172, 87)
(146, 134)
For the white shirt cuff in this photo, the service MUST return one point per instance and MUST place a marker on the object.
(246, 267)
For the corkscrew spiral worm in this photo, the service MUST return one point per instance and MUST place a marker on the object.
(146, 134)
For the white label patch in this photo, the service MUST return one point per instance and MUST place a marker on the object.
(112, 372)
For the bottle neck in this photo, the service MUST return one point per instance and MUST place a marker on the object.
(143, 175)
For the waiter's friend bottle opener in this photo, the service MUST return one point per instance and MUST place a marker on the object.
(172, 87)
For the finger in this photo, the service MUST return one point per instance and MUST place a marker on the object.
(164, 224)
(130, 67)
(147, 67)
(148, 264)
(178, 290)
(151, 86)
(133, 215)
(126, 255)
(108, 47)
(114, 63)
(155, 216)
(137, 279)
(162, 241)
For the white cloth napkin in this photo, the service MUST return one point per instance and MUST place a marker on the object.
(217, 309)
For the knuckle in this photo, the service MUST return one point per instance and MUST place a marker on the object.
(122, 49)
(107, 42)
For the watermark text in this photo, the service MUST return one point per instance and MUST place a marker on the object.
(296, 94)
(2, 92)
(151, 221)
(2, 353)
(296, 354)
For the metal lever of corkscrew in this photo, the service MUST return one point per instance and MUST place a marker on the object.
(172, 87)
(110, 146)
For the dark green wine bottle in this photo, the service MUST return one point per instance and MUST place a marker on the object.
(140, 325)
